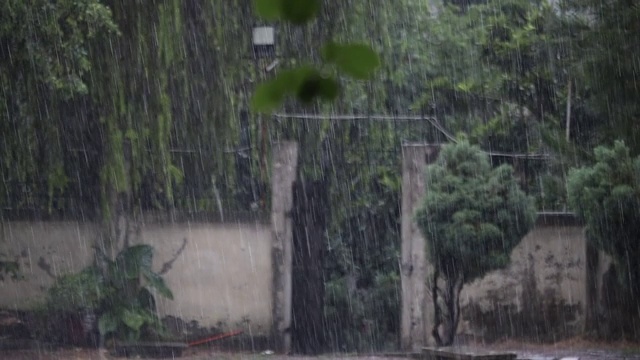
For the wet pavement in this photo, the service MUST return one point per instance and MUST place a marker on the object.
(564, 351)
(82, 354)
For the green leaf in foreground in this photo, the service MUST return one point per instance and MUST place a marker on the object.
(268, 9)
(329, 89)
(316, 86)
(271, 94)
(356, 60)
(299, 12)
(329, 51)
(267, 97)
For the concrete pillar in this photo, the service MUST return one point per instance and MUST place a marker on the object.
(416, 317)
(283, 175)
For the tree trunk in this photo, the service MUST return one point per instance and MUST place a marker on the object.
(568, 113)
(435, 332)
(447, 311)
(453, 309)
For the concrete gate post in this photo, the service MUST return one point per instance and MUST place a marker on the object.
(284, 167)
(417, 316)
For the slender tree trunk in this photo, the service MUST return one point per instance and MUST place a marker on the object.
(435, 332)
(454, 286)
(447, 311)
(568, 120)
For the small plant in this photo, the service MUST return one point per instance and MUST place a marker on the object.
(119, 293)
(129, 305)
(76, 292)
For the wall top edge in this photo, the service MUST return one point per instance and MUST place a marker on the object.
(151, 217)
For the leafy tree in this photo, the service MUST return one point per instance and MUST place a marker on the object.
(607, 196)
(472, 216)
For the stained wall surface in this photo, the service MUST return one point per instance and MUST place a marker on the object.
(541, 295)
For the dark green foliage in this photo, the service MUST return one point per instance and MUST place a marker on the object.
(44, 62)
(297, 12)
(606, 48)
(75, 292)
(472, 215)
(45, 44)
(607, 196)
(363, 317)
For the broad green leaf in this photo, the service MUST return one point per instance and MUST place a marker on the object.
(267, 97)
(145, 299)
(268, 9)
(270, 95)
(134, 319)
(329, 51)
(329, 89)
(299, 12)
(309, 89)
(132, 259)
(316, 86)
(157, 282)
(356, 60)
(107, 323)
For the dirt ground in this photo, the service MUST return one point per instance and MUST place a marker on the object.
(577, 348)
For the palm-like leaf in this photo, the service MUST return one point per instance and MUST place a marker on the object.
(156, 282)
(133, 259)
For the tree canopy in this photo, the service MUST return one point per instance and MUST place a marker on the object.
(472, 215)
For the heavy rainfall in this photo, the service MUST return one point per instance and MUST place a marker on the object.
(245, 179)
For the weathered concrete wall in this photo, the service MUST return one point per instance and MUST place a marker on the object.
(416, 313)
(542, 294)
(43, 250)
(220, 278)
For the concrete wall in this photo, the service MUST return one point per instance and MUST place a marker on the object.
(542, 294)
(221, 278)
(43, 250)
